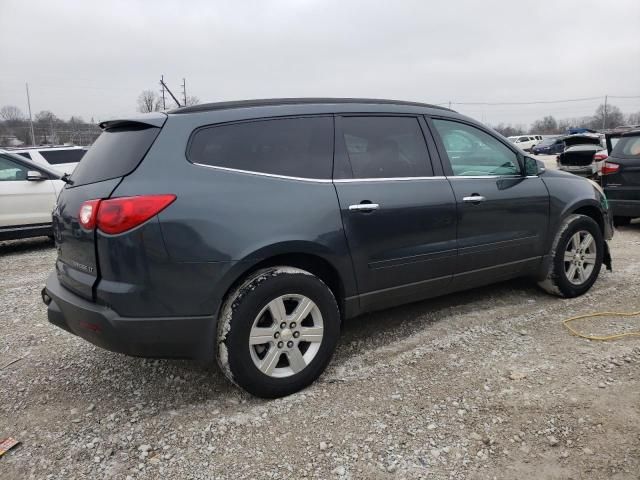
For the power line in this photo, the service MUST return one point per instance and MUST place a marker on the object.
(536, 102)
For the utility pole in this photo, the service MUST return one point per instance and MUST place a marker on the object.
(33, 136)
(449, 104)
(184, 92)
(164, 85)
(604, 116)
(164, 106)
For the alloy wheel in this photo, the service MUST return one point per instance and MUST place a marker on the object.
(286, 335)
(580, 257)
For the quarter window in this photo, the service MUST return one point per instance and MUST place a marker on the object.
(385, 147)
(57, 157)
(296, 147)
(473, 152)
(11, 171)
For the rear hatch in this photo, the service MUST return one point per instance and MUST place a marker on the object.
(116, 153)
(621, 171)
(579, 155)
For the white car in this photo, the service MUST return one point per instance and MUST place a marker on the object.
(62, 159)
(526, 142)
(28, 194)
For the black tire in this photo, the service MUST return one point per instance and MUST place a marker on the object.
(556, 281)
(621, 221)
(241, 309)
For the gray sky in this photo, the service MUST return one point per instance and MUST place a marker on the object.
(93, 58)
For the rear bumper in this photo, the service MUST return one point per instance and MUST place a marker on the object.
(624, 208)
(159, 337)
(583, 170)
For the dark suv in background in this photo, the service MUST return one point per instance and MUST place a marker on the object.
(621, 175)
(248, 231)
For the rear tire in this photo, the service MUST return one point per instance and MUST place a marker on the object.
(577, 254)
(277, 331)
(621, 221)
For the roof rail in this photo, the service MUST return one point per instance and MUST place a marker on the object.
(206, 107)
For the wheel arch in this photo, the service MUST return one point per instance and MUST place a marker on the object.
(334, 269)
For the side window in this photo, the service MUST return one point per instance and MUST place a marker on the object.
(25, 155)
(11, 171)
(295, 147)
(57, 157)
(385, 147)
(472, 152)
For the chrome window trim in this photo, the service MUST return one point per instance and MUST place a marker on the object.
(478, 177)
(264, 174)
(386, 179)
(353, 180)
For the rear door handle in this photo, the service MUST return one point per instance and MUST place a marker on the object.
(363, 207)
(475, 198)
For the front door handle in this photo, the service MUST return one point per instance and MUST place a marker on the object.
(474, 198)
(364, 207)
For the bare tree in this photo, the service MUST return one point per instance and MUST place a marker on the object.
(148, 102)
(634, 118)
(509, 130)
(192, 100)
(614, 117)
(545, 126)
(11, 113)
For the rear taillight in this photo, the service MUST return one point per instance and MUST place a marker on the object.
(117, 215)
(609, 167)
(598, 157)
(88, 213)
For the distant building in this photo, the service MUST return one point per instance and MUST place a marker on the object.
(10, 141)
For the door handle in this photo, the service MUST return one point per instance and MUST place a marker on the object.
(474, 198)
(363, 207)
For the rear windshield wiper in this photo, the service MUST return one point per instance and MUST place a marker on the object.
(66, 178)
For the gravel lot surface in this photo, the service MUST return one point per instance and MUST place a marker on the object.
(483, 384)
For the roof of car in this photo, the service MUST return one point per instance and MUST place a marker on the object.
(206, 107)
(47, 147)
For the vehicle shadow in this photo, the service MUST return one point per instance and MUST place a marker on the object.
(173, 384)
(25, 245)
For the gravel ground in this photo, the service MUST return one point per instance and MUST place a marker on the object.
(483, 384)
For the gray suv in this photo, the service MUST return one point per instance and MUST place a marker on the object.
(248, 231)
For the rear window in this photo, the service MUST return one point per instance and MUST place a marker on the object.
(627, 147)
(116, 152)
(295, 147)
(56, 157)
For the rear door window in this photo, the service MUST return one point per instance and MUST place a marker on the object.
(292, 147)
(116, 152)
(57, 157)
(385, 147)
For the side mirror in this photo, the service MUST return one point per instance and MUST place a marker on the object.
(35, 176)
(533, 166)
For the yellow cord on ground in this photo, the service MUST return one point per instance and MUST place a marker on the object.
(602, 338)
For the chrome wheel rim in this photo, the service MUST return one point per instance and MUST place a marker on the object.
(580, 257)
(286, 335)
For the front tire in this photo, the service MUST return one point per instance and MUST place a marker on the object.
(577, 254)
(277, 331)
